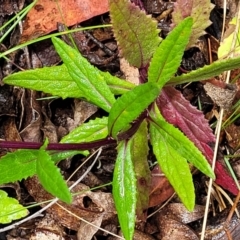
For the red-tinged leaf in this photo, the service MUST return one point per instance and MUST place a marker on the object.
(179, 112)
(199, 10)
(141, 168)
(136, 32)
(44, 16)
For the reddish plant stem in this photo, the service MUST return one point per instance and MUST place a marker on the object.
(57, 146)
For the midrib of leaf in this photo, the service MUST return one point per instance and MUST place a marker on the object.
(169, 53)
(130, 27)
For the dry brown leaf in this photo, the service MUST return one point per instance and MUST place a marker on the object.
(161, 189)
(87, 205)
(44, 16)
(223, 97)
(47, 228)
(131, 73)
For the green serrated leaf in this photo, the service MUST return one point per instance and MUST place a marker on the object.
(124, 189)
(10, 209)
(86, 76)
(207, 71)
(136, 33)
(24, 164)
(139, 154)
(174, 166)
(129, 106)
(168, 55)
(53, 80)
(117, 85)
(177, 140)
(88, 132)
(58, 82)
(50, 177)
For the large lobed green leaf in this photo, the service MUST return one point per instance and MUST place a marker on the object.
(136, 33)
(168, 55)
(124, 189)
(129, 106)
(91, 84)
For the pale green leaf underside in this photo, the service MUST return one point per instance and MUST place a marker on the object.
(124, 189)
(183, 146)
(91, 84)
(129, 106)
(58, 82)
(168, 55)
(207, 71)
(10, 209)
(88, 132)
(136, 33)
(174, 166)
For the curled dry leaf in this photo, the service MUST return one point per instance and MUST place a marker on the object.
(44, 16)
(172, 229)
(172, 220)
(219, 229)
(47, 228)
(178, 212)
(223, 97)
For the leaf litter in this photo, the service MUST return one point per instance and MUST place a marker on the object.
(183, 121)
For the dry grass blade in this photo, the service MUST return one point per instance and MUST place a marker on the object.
(219, 125)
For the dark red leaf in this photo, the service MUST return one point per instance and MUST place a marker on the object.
(179, 112)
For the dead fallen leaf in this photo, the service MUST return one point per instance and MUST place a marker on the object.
(172, 229)
(131, 73)
(44, 16)
(47, 228)
(161, 189)
(223, 97)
